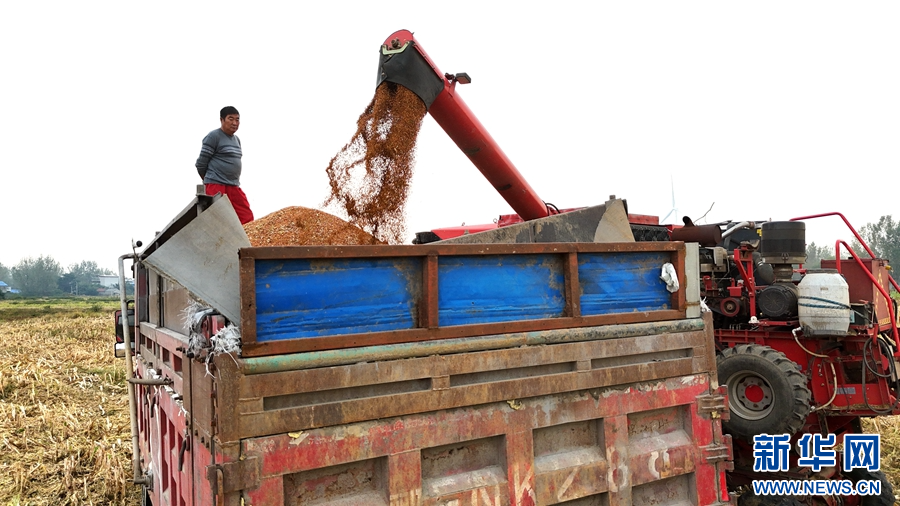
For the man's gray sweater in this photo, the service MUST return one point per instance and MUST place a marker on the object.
(220, 159)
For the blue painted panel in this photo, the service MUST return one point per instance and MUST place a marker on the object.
(323, 297)
(622, 283)
(490, 289)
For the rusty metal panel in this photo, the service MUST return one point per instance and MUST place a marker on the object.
(428, 308)
(202, 396)
(611, 351)
(458, 471)
(164, 439)
(572, 285)
(624, 445)
(248, 300)
(360, 482)
(169, 359)
(326, 358)
(676, 491)
(289, 400)
(570, 461)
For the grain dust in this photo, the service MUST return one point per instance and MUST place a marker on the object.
(370, 175)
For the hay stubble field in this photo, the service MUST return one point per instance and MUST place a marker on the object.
(64, 427)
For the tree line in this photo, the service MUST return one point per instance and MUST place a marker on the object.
(43, 276)
(883, 237)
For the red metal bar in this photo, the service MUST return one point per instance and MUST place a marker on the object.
(454, 116)
(890, 305)
(740, 257)
(855, 234)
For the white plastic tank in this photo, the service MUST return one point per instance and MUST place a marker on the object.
(824, 303)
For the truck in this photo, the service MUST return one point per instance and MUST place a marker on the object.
(551, 361)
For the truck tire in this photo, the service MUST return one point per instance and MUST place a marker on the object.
(886, 498)
(767, 393)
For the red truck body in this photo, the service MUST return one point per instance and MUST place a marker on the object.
(577, 378)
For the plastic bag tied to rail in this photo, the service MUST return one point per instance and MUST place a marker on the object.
(226, 340)
(670, 277)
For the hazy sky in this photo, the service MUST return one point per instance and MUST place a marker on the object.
(770, 110)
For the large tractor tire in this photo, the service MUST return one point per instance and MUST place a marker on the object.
(886, 498)
(767, 393)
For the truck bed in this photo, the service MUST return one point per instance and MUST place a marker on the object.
(435, 375)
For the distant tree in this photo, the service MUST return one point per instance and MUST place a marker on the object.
(4, 274)
(81, 278)
(77, 285)
(37, 277)
(883, 237)
(815, 254)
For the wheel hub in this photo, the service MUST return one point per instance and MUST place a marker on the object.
(751, 396)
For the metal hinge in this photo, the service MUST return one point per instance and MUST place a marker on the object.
(714, 405)
(719, 452)
(716, 452)
(235, 476)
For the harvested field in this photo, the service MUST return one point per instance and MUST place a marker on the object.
(64, 427)
(889, 428)
(301, 226)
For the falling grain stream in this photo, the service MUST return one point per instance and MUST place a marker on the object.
(368, 178)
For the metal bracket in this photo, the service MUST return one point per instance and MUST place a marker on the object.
(235, 476)
(185, 444)
(151, 381)
(715, 452)
(145, 480)
(715, 405)
(719, 452)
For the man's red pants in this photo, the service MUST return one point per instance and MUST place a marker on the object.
(237, 198)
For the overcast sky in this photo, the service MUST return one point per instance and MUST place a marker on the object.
(762, 110)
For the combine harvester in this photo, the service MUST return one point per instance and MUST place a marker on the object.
(545, 362)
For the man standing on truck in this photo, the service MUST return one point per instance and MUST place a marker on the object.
(219, 163)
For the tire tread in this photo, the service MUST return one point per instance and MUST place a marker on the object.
(797, 381)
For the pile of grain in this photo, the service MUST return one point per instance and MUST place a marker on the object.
(370, 176)
(303, 226)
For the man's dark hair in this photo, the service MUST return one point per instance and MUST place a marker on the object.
(228, 110)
